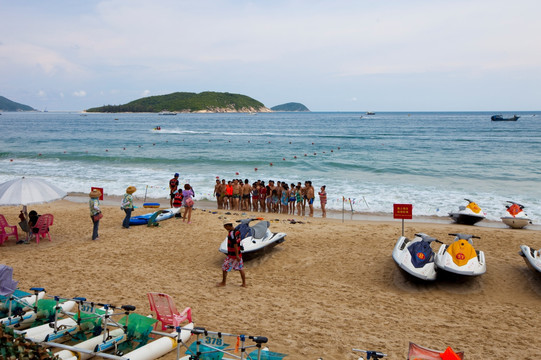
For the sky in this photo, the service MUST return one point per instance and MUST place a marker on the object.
(339, 55)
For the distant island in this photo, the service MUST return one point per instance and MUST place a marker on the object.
(188, 102)
(291, 106)
(8, 105)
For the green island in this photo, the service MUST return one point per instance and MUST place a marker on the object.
(8, 105)
(291, 106)
(186, 102)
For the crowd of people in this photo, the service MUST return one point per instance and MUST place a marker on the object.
(279, 197)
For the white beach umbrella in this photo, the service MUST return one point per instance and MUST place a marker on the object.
(27, 191)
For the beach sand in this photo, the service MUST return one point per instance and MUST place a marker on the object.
(330, 287)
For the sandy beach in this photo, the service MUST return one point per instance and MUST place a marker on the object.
(330, 287)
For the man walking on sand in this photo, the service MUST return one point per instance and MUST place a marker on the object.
(233, 261)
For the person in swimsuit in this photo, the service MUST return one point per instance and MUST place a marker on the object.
(298, 198)
(284, 198)
(246, 190)
(310, 197)
(217, 193)
(235, 203)
(255, 196)
(173, 185)
(262, 196)
(292, 199)
(323, 201)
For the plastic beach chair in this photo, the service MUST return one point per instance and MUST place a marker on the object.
(7, 284)
(166, 311)
(43, 223)
(7, 230)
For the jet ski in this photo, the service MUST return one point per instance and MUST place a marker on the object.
(468, 215)
(515, 217)
(461, 257)
(255, 238)
(531, 256)
(416, 256)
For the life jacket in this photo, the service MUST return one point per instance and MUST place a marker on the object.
(177, 200)
(173, 184)
(231, 241)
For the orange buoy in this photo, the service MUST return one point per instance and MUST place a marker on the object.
(270, 164)
(236, 173)
(255, 169)
(294, 157)
(283, 158)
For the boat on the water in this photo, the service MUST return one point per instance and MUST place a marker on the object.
(370, 113)
(165, 112)
(515, 216)
(501, 118)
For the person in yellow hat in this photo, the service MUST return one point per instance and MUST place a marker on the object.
(95, 212)
(127, 206)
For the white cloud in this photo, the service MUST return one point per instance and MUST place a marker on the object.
(41, 93)
(80, 93)
(145, 93)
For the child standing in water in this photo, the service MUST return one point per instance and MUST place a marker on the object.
(323, 201)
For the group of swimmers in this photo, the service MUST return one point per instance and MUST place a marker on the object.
(278, 198)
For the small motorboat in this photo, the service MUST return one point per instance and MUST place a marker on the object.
(460, 257)
(468, 215)
(416, 257)
(531, 257)
(154, 217)
(515, 217)
(255, 238)
(501, 118)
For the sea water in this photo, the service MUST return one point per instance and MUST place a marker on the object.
(368, 162)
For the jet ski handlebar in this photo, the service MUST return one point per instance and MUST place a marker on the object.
(465, 236)
(427, 238)
(370, 354)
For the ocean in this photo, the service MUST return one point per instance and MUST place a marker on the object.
(432, 160)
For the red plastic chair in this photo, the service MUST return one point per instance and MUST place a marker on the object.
(43, 223)
(5, 232)
(166, 311)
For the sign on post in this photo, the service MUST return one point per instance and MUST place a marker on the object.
(402, 211)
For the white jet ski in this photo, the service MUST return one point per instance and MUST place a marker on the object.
(531, 256)
(255, 238)
(468, 215)
(461, 257)
(515, 216)
(416, 256)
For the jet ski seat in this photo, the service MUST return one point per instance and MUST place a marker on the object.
(421, 253)
(260, 229)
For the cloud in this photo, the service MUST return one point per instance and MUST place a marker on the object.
(145, 93)
(80, 93)
(41, 93)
